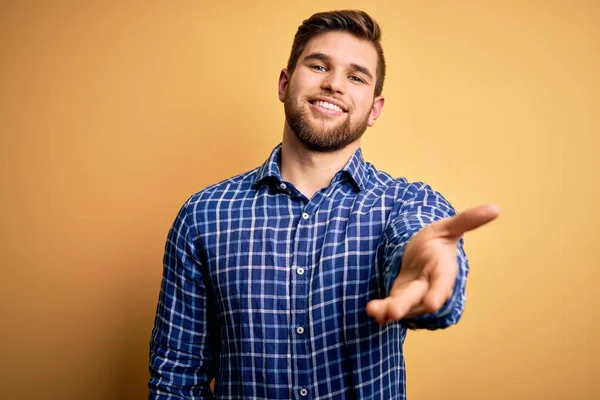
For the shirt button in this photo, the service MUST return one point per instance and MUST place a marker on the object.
(300, 330)
(303, 392)
(283, 186)
(300, 271)
(305, 215)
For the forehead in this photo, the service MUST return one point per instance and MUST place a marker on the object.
(343, 48)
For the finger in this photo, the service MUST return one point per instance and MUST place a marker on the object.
(377, 309)
(403, 301)
(467, 220)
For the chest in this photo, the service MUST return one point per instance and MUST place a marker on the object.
(261, 254)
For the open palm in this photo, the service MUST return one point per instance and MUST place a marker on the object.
(429, 267)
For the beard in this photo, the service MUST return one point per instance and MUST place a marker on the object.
(321, 136)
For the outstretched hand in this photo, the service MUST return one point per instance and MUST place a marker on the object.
(429, 267)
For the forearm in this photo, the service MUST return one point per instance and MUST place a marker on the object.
(178, 371)
(185, 335)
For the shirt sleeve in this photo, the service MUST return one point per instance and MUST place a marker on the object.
(419, 206)
(183, 344)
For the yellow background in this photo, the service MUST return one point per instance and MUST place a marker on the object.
(112, 114)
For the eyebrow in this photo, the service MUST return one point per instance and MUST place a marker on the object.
(326, 58)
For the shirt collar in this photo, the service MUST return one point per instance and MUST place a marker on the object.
(356, 169)
(270, 169)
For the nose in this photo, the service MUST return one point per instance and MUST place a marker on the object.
(334, 82)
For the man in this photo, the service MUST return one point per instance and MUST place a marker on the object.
(300, 278)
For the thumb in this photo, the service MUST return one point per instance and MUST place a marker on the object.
(467, 220)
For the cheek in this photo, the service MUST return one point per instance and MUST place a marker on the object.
(305, 82)
(362, 110)
(363, 102)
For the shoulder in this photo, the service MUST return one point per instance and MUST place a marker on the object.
(205, 202)
(421, 198)
(410, 196)
(229, 188)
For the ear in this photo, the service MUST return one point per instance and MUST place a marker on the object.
(284, 80)
(376, 110)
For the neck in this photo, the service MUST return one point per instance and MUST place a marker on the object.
(310, 171)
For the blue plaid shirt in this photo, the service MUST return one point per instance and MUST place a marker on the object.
(265, 290)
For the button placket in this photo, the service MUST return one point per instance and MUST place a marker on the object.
(300, 285)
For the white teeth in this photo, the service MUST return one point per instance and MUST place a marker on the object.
(325, 104)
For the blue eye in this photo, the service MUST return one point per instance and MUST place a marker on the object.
(356, 79)
(318, 67)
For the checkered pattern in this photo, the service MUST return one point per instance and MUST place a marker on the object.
(265, 290)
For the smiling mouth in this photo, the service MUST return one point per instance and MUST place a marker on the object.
(327, 107)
